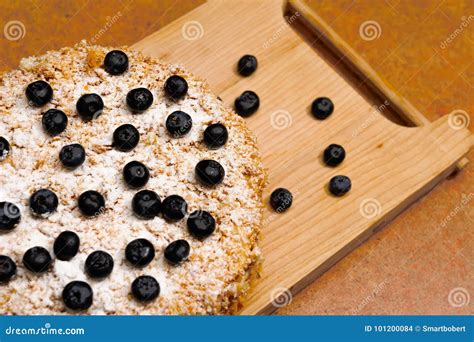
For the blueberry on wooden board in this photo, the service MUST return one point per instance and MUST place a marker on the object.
(247, 103)
(247, 65)
(281, 199)
(322, 108)
(339, 185)
(334, 155)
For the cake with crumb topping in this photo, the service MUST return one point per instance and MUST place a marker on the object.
(211, 275)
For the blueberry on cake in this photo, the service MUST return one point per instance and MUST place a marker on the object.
(127, 187)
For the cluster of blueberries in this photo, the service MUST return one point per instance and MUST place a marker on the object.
(146, 204)
(321, 108)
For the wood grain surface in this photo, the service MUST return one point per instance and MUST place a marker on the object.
(390, 166)
(412, 266)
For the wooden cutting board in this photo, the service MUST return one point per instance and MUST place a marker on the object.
(390, 165)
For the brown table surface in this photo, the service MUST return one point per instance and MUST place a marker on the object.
(421, 263)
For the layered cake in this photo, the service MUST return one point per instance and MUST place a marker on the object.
(127, 187)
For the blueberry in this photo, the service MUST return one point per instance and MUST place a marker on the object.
(66, 245)
(177, 251)
(209, 172)
(146, 204)
(126, 138)
(215, 135)
(322, 107)
(281, 199)
(247, 103)
(7, 268)
(39, 93)
(99, 264)
(72, 155)
(179, 123)
(54, 121)
(43, 202)
(91, 203)
(90, 106)
(174, 208)
(116, 62)
(339, 185)
(139, 99)
(77, 295)
(247, 65)
(4, 148)
(201, 224)
(145, 288)
(334, 155)
(10, 216)
(176, 87)
(136, 174)
(140, 252)
(37, 260)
